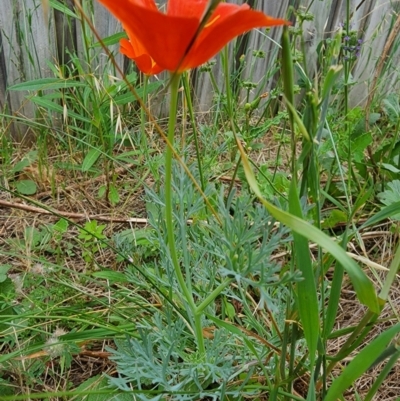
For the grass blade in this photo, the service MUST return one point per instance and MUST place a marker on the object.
(361, 363)
(306, 289)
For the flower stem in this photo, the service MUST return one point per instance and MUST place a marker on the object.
(186, 85)
(169, 219)
(143, 135)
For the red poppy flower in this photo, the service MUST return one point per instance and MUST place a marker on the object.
(160, 41)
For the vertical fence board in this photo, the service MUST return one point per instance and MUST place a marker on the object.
(66, 36)
(3, 77)
(261, 70)
(27, 47)
(316, 30)
(106, 26)
(374, 40)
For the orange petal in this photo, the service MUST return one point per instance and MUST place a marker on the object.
(143, 61)
(187, 9)
(227, 22)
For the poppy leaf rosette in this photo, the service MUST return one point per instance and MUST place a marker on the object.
(179, 39)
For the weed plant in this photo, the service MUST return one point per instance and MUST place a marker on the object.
(233, 288)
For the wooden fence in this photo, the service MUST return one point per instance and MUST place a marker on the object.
(32, 43)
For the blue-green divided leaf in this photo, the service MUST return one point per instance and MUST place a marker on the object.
(26, 187)
(234, 330)
(90, 159)
(361, 363)
(47, 83)
(306, 289)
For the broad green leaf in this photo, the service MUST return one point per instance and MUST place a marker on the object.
(3, 272)
(362, 285)
(90, 159)
(229, 309)
(361, 363)
(102, 190)
(26, 187)
(111, 40)
(4, 269)
(330, 79)
(383, 214)
(61, 226)
(391, 168)
(306, 289)
(115, 277)
(113, 195)
(359, 129)
(28, 159)
(63, 8)
(47, 83)
(335, 216)
(358, 146)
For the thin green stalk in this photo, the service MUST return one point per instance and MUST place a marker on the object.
(169, 219)
(210, 298)
(346, 112)
(143, 139)
(382, 376)
(186, 86)
(228, 91)
(368, 317)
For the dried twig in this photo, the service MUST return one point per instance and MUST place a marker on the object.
(69, 215)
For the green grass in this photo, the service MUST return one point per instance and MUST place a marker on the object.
(239, 292)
